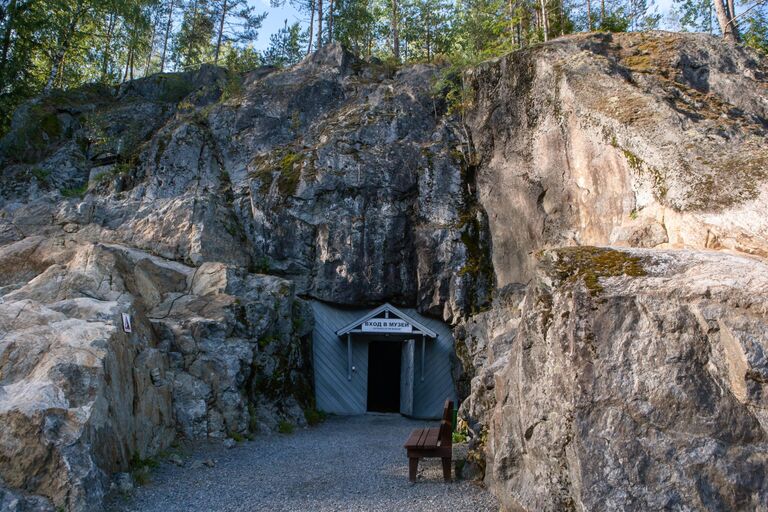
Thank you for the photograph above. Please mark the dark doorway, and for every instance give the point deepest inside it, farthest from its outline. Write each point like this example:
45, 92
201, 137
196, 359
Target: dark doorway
384, 376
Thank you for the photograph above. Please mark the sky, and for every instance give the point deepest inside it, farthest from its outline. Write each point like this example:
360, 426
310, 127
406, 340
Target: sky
276, 16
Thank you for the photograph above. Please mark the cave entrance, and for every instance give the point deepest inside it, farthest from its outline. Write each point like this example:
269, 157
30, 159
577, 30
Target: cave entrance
384, 358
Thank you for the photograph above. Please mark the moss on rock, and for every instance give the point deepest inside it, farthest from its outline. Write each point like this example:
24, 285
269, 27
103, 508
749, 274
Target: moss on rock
590, 264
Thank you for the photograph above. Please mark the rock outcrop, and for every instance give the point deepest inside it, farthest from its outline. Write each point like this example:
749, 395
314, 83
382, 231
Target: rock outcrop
213, 351
633, 381
643, 140
204, 204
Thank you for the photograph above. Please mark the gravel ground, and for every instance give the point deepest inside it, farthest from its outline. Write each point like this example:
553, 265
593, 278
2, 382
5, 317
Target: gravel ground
346, 463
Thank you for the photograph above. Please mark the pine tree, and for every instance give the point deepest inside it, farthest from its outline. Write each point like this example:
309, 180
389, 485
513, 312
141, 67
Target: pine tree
286, 47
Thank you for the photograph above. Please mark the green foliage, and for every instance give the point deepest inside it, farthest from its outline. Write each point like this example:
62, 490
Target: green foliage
260, 266
450, 86
283, 164
237, 436
140, 469
314, 416
74, 191
239, 60
459, 437
253, 418
286, 47
696, 15
285, 427
138, 462
119, 169
40, 174
192, 43
233, 89
50, 45
175, 87
756, 33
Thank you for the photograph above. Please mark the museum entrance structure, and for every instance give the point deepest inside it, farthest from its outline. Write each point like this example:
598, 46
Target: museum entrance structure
384, 359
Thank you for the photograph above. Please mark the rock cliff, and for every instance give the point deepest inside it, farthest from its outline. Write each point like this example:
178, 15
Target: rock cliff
207, 205
629, 381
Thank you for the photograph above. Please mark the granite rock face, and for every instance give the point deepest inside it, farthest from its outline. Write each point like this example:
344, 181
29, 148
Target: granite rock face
646, 394
212, 351
637, 139
346, 177
633, 381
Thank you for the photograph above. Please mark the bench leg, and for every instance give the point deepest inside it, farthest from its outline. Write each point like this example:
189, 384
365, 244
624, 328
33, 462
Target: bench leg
446, 468
413, 467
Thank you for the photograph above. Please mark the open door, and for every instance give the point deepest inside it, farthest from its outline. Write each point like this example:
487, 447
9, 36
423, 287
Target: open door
407, 365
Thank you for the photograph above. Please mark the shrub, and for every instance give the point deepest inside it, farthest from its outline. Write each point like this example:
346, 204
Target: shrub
314, 416
285, 427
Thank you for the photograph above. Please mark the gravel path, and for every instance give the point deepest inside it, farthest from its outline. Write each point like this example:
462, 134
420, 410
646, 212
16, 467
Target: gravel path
346, 463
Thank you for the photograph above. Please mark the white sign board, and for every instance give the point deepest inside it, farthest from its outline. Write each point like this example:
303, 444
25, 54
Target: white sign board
386, 325
127, 322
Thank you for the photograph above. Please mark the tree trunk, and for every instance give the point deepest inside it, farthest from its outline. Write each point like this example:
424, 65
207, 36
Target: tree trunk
429, 39
151, 45
544, 20
64, 41
319, 24
602, 13
168, 27
221, 32
589, 16
725, 19
60, 77
127, 65
11, 17
330, 20
107, 46
734, 27
311, 26
395, 32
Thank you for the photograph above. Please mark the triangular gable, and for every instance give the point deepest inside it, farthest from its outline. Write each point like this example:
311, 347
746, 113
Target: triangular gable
354, 326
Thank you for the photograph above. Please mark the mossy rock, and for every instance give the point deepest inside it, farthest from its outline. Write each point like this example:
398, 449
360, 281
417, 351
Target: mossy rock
590, 264
284, 165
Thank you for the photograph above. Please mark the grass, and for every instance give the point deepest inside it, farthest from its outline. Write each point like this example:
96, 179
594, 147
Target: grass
141, 468
253, 418
285, 427
75, 191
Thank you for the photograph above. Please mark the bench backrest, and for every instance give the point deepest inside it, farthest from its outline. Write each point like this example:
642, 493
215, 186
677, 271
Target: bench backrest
446, 426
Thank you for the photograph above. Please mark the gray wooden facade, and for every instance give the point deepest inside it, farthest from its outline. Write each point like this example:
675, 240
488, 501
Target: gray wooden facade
339, 390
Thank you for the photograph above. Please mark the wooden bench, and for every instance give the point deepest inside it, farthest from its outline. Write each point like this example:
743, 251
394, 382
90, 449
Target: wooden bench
431, 442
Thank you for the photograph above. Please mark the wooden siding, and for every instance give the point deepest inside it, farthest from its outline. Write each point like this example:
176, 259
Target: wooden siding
335, 394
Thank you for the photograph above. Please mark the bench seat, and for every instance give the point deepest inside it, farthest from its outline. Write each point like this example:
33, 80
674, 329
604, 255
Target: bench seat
431, 442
